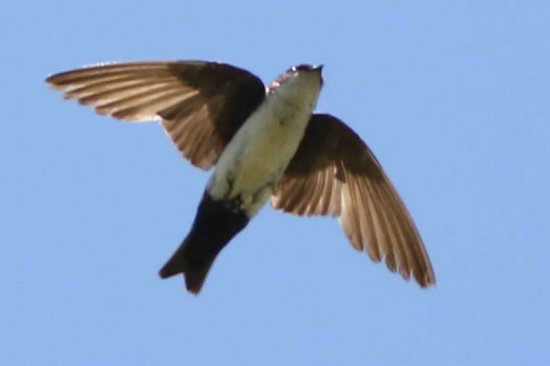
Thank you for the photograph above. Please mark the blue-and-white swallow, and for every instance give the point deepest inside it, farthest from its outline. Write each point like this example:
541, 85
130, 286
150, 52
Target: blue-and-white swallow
265, 144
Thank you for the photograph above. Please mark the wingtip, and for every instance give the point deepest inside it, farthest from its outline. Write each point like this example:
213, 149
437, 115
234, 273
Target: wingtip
50, 80
427, 282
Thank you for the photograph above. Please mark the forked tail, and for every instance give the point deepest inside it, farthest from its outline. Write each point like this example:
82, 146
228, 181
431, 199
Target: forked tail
216, 223
194, 268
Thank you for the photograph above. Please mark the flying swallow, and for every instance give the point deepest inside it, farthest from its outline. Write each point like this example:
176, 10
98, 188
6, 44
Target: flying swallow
265, 144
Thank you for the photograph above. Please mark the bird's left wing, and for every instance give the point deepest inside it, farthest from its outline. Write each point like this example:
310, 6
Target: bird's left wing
200, 104
334, 173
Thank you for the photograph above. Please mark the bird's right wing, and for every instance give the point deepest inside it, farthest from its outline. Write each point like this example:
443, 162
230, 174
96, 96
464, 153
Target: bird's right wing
335, 173
200, 104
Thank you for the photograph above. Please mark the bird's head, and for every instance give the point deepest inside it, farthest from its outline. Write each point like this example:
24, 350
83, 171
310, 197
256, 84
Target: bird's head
299, 82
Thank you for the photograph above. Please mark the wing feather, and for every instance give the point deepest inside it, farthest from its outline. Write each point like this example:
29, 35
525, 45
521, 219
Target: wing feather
200, 104
335, 173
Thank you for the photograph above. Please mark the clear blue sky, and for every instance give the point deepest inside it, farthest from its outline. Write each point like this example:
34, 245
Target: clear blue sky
452, 96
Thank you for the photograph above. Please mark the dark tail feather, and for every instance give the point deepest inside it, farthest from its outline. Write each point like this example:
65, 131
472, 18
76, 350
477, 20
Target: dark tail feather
194, 270
214, 226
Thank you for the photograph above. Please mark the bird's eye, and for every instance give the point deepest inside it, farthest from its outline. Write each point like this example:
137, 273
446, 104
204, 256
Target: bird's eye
293, 69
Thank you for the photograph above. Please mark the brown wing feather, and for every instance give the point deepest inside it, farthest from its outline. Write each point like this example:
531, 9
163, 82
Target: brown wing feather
200, 104
335, 173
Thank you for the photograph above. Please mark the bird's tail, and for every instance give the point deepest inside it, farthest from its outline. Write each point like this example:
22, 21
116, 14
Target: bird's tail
215, 224
194, 268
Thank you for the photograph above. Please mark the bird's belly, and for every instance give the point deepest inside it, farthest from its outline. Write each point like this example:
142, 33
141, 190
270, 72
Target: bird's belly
256, 157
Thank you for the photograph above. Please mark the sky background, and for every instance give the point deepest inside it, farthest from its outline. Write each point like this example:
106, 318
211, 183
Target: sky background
452, 96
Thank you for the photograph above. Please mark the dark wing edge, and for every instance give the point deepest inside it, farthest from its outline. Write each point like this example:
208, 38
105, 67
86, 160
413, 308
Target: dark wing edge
335, 173
200, 104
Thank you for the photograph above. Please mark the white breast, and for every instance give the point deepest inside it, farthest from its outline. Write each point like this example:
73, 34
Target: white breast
260, 151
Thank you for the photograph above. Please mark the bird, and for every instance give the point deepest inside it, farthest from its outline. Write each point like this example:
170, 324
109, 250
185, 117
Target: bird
265, 144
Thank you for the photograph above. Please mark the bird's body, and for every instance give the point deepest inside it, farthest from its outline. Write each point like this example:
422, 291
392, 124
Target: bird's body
263, 143
245, 174
256, 157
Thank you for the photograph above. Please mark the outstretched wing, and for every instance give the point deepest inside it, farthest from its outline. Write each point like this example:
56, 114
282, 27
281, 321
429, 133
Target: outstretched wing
335, 173
200, 104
